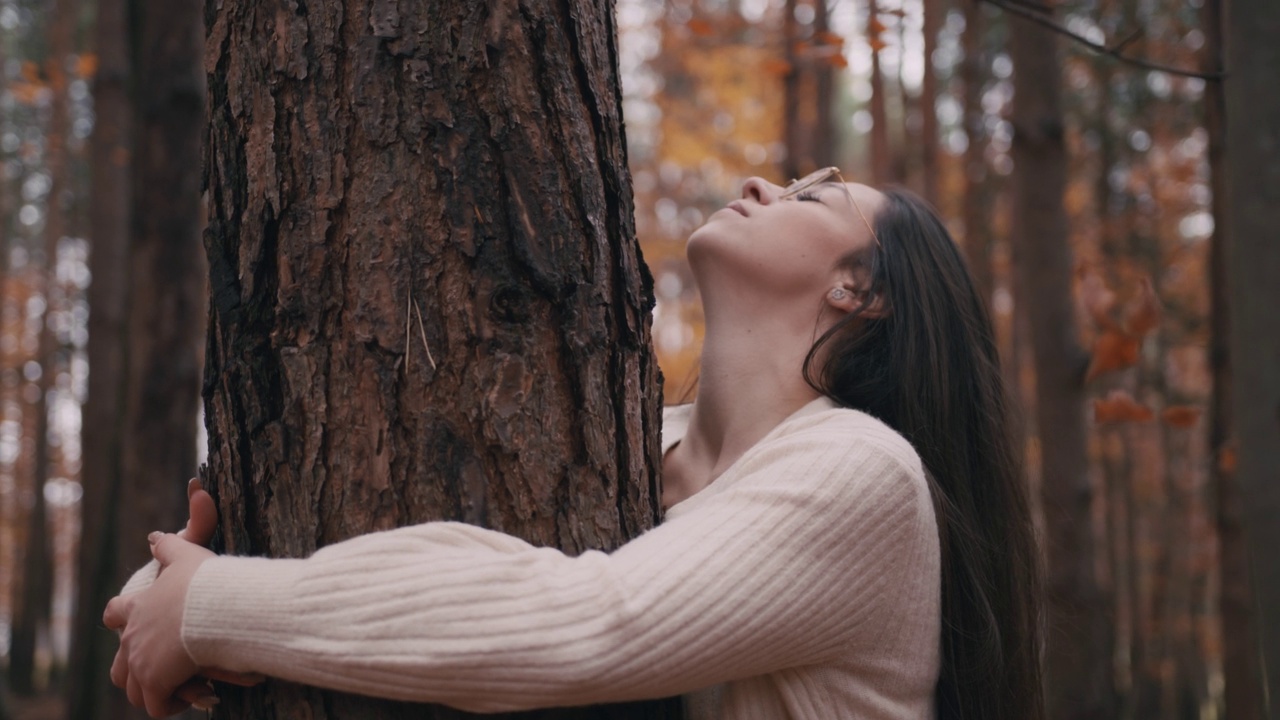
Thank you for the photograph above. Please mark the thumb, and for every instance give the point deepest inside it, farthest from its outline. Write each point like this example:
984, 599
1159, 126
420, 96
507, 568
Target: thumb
203, 516
166, 548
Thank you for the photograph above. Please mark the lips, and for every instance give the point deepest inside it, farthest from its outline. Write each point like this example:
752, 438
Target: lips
737, 206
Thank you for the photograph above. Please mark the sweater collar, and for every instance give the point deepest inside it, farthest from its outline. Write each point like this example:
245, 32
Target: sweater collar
675, 420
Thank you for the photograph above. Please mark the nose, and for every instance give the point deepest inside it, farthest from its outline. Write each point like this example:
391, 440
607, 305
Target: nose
760, 190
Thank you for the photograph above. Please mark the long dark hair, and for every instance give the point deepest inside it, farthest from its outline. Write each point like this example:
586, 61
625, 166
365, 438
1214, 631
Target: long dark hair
928, 366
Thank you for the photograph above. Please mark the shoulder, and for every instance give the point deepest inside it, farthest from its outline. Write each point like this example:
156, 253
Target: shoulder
846, 438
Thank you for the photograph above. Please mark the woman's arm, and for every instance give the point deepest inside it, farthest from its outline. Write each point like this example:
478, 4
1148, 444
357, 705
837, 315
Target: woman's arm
800, 559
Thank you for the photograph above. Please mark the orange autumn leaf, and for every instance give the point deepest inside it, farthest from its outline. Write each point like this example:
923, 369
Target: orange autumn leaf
700, 27
1180, 416
31, 72
775, 66
838, 60
87, 65
877, 44
1112, 351
827, 37
874, 28
1144, 313
1120, 407
1227, 460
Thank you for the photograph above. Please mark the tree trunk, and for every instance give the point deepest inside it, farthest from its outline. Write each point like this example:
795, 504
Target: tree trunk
881, 152
1242, 674
793, 130
934, 13
808, 89
976, 212
822, 143
1253, 213
1078, 662
427, 298
101, 571
31, 616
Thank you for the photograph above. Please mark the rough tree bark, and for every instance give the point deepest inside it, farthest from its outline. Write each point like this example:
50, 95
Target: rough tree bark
32, 610
1253, 213
427, 298
1078, 661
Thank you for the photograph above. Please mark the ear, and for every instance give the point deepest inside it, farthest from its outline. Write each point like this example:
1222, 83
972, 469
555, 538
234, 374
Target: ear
844, 297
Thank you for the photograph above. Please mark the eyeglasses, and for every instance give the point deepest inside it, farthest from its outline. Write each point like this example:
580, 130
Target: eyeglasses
818, 177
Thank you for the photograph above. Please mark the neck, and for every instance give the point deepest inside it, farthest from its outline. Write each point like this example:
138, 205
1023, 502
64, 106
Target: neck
751, 380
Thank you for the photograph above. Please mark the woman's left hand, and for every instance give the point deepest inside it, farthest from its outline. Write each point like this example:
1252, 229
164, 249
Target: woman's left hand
152, 661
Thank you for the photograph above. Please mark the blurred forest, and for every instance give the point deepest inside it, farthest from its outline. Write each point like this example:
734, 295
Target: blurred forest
1111, 312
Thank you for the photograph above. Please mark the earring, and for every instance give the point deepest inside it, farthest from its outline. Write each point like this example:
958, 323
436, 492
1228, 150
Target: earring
837, 294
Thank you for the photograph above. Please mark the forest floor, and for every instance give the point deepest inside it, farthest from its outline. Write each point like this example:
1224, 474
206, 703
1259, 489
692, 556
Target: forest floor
39, 707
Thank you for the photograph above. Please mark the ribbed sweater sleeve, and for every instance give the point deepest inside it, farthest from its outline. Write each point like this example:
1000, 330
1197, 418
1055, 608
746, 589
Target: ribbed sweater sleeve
802, 557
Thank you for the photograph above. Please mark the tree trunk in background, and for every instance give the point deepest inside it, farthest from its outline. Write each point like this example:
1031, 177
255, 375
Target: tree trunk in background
881, 152
427, 298
822, 147
165, 276
1253, 214
934, 13
6, 243
32, 609
100, 575
1078, 661
976, 211
808, 89
1242, 674
793, 130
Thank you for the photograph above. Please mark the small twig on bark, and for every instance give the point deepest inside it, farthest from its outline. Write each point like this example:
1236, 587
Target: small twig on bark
423, 330
1030, 11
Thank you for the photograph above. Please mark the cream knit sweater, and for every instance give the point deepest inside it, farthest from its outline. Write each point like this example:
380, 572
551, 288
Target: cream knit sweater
804, 582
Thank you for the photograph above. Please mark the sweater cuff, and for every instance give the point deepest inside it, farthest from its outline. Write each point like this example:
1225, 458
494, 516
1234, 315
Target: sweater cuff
235, 608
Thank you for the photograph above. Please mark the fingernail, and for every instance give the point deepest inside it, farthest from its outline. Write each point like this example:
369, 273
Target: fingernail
154, 537
205, 702
192, 486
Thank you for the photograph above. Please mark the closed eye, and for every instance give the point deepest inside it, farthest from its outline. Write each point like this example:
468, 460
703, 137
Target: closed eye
808, 195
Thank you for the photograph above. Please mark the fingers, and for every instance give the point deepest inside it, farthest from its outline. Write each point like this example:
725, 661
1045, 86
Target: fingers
203, 515
233, 678
197, 693
120, 670
133, 689
163, 548
117, 613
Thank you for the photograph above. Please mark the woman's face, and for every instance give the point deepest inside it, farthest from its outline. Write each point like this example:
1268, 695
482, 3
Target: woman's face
772, 246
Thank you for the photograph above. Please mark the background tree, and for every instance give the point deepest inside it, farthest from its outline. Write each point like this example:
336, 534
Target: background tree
146, 337
33, 607
1078, 651
427, 300
1253, 213
1242, 674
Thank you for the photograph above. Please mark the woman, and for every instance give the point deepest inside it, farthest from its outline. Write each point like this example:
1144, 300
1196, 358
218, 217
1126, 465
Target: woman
847, 532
